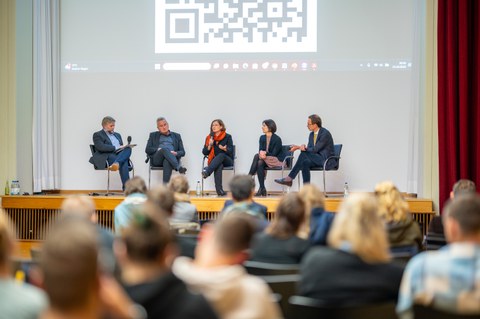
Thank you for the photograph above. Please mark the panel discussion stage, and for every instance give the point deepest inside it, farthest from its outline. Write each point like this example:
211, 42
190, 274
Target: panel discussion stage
34, 216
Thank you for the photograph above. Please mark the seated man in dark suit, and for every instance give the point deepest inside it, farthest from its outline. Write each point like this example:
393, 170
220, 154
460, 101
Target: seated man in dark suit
243, 188
109, 147
319, 148
165, 148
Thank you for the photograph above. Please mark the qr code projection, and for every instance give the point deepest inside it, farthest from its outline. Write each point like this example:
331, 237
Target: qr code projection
200, 26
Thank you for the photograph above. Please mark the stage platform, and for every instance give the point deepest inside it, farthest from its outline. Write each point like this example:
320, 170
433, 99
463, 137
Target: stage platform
33, 216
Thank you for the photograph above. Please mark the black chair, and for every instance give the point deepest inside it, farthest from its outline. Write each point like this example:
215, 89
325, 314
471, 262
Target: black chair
258, 268
225, 168
300, 307
337, 152
434, 241
107, 168
402, 254
287, 163
427, 312
283, 287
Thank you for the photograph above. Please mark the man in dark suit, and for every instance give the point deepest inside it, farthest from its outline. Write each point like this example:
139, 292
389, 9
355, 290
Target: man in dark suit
165, 148
109, 147
319, 148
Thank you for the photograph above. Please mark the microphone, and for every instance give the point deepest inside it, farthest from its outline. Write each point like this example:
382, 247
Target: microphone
212, 134
129, 139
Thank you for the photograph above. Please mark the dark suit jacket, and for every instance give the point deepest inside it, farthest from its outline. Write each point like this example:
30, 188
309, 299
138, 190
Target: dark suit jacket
258, 207
103, 148
274, 148
154, 139
323, 146
227, 140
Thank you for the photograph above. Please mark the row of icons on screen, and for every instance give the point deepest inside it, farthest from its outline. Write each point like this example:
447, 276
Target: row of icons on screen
245, 66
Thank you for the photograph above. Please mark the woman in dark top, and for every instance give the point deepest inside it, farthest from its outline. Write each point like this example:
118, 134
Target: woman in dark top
269, 154
279, 243
219, 149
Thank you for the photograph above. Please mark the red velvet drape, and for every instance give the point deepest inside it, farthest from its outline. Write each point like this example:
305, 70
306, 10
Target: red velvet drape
458, 93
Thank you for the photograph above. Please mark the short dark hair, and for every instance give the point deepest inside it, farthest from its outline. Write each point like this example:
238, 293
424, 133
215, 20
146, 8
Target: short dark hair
464, 186
163, 198
234, 232
465, 209
107, 120
135, 184
316, 119
219, 122
289, 216
272, 127
241, 187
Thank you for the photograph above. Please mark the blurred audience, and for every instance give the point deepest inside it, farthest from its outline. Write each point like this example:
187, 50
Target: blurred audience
135, 192
355, 269
448, 278
17, 300
183, 210
279, 243
403, 232
217, 271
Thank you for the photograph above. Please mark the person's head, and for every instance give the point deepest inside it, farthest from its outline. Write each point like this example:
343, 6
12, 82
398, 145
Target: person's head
162, 125
217, 126
179, 184
163, 198
135, 184
108, 124
358, 228
242, 188
312, 198
6, 239
79, 206
392, 207
269, 126
461, 218
69, 265
226, 242
147, 240
463, 186
289, 216
314, 122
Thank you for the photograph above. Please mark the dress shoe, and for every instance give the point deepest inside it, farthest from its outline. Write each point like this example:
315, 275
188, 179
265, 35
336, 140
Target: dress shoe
284, 181
261, 192
114, 167
182, 170
221, 192
204, 173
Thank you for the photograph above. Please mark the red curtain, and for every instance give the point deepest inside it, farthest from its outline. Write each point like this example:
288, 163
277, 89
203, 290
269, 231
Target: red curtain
458, 93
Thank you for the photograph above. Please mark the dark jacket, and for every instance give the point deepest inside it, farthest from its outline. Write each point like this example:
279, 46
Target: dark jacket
103, 148
404, 233
154, 140
167, 297
323, 146
227, 140
274, 148
320, 223
269, 249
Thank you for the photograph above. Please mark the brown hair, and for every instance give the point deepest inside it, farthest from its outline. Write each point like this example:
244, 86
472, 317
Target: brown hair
234, 232
316, 120
289, 216
465, 209
178, 184
222, 125
163, 198
464, 186
135, 184
312, 197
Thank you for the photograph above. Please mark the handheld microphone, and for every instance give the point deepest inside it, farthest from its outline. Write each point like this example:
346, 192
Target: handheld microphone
212, 134
129, 139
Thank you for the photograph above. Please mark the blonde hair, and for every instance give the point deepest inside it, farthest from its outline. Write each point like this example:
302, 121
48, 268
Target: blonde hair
359, 225
78, 205
312, 198
392, 207
6, 237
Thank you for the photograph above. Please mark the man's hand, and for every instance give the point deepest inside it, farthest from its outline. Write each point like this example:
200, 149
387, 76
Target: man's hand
174, 153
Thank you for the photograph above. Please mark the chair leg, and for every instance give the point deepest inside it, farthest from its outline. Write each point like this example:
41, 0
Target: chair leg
201, 193
108, 182
149, 176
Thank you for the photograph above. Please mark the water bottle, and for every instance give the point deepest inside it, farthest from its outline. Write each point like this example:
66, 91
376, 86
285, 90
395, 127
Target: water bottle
198, 189
345, 190
7, 188
15, 188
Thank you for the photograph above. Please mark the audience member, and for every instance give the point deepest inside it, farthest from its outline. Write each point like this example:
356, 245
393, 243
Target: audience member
135, 192
317, 221
75, 285
356, 268
146, 252
314, 154
217, 272
219, 149
17, 300
243, 187
165, 148
270, 154
279, 243
403, 232
449, 278
183, 210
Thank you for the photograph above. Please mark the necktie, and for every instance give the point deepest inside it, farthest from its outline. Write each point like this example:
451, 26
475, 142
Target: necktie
314, 138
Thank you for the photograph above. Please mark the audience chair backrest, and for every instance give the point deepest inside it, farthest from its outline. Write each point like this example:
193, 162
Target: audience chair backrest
270, 269
283, 286
426, 312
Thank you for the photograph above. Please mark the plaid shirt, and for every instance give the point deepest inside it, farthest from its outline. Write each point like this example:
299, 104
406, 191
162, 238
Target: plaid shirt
447, 279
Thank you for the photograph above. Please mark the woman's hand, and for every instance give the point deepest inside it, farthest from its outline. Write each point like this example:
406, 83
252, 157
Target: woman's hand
262, 154
222, 147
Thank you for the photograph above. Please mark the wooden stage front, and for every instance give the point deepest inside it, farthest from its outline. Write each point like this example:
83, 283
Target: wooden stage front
33, 216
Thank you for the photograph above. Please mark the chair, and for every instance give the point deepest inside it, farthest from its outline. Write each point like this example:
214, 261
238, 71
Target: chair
401, 255
151, 168
283, 287
300, 307
106, 167
258, 268
337, 151
434, 241
225, 168
427, 312
287, 163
